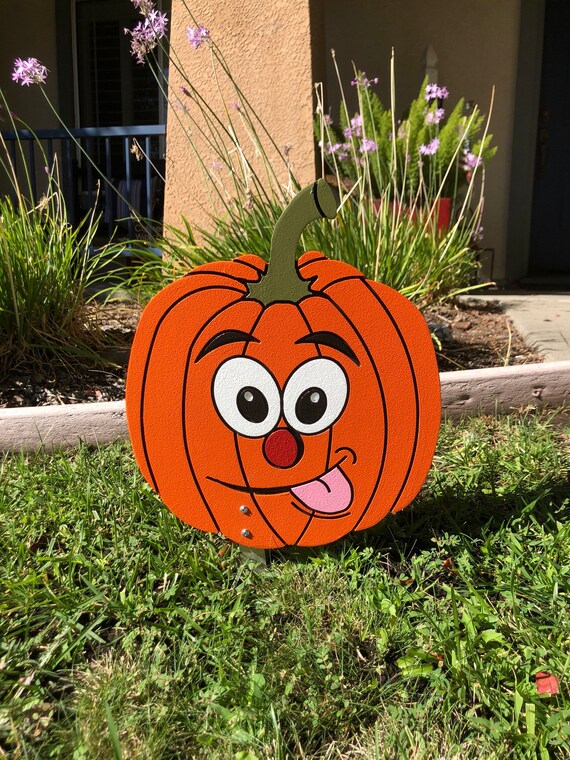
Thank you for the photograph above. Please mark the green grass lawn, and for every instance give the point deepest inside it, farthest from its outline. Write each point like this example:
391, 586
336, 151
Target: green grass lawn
124, 633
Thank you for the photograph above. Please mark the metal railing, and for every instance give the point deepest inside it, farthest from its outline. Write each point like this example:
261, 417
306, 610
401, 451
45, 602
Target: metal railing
120, 168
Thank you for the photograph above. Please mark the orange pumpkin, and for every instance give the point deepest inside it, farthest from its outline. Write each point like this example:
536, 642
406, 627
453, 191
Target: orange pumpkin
283, 404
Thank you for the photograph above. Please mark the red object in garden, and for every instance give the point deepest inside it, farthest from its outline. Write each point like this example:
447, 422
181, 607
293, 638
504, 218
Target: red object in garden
546, 683
442, 212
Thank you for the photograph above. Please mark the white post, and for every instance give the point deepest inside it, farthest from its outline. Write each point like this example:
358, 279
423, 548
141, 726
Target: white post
430, 64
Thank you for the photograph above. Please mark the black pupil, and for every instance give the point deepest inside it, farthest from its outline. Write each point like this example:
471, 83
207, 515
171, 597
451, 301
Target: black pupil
311, 405
252, 404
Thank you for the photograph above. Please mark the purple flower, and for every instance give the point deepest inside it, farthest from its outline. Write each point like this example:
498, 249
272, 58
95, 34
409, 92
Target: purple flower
431, 92
434, 92
434, 117
430, 148
29, 71
196, 35
471, 161
363, 81
327, 120
477, 234
158, 22
147, 33
368, 146
355, 129
333, 148
144, 6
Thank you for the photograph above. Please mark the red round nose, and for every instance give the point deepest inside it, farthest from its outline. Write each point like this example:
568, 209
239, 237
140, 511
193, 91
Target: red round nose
282, 448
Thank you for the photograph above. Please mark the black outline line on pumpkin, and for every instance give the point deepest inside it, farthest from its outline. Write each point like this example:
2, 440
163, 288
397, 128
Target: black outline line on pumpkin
324, 294
416, 393
272, 490
144, 382
238, 453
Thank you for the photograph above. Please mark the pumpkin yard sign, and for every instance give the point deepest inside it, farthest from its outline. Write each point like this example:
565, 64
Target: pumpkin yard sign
283, 404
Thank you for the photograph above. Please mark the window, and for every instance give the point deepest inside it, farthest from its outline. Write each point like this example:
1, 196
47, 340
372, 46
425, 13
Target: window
112, 89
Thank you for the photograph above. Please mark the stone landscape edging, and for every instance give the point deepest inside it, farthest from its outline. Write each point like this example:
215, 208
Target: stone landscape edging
465, 392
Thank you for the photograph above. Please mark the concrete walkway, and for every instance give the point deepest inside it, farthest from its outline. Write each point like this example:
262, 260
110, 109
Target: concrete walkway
543, 319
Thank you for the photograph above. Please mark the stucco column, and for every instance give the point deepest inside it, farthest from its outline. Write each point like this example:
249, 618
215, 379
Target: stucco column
267, 46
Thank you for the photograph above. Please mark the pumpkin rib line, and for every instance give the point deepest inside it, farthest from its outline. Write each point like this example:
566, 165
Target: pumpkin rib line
309, 521
240, 462
213, 273
184, 387
312, 261
248, 264
416, 395
341, 279
185, 439
252, 494
147, 364
329, 444
382, 396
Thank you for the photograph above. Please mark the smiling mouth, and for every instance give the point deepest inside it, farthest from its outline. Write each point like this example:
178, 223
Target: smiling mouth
328, 494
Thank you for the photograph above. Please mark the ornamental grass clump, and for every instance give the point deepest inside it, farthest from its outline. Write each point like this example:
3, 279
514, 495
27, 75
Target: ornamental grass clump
46, 265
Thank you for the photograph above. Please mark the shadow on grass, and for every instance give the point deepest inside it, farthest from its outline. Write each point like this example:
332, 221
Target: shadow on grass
471, 514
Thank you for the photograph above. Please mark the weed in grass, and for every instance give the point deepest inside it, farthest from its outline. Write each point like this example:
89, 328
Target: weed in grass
124, 633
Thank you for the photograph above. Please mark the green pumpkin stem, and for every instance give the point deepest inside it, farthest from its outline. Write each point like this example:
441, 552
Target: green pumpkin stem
281, 281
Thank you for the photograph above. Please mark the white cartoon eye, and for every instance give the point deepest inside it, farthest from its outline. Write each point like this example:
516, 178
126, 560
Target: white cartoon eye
246, 396
315, 395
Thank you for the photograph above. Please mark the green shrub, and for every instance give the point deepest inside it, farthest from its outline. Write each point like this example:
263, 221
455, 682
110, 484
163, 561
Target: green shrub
45, 267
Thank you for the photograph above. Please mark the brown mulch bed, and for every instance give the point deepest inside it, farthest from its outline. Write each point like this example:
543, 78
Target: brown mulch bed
466, 337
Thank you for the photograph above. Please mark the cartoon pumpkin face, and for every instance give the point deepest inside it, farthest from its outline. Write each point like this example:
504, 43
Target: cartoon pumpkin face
287, 404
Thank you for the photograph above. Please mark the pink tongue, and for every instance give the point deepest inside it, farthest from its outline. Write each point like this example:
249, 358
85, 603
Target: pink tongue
330, 493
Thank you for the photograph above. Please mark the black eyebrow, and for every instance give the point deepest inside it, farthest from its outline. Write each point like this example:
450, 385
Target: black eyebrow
333, 340
223, 338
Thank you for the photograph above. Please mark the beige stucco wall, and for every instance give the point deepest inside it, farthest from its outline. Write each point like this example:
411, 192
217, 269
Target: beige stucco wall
268, 49
477, 47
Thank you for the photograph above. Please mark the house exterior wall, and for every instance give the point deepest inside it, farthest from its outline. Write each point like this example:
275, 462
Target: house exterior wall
477, 44
268, 49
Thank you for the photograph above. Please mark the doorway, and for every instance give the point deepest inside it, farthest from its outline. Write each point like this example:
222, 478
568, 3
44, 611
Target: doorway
550, 221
